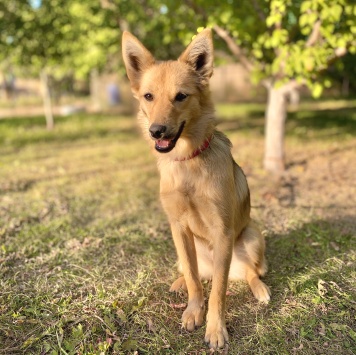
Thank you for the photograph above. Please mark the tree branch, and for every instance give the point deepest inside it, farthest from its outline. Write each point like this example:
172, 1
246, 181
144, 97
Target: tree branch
107, 4
259, 11
315, 34
197, 9
233, 46
291, 85
338, 53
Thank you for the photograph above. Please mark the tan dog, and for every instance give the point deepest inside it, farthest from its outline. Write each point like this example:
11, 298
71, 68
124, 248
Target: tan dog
203, 191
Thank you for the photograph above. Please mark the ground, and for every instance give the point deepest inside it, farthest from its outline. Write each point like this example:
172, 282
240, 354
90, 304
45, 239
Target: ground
86, 256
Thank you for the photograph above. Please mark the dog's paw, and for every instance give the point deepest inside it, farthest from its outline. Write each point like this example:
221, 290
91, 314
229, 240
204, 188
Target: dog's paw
261, 291
216, 335
193, 316
178, 284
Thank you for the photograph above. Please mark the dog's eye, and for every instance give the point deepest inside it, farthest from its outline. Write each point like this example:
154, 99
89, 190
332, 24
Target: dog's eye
180, 97
148, 96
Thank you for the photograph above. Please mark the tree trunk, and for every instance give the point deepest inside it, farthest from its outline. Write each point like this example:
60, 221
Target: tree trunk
95, 90
294, 97
8, 83
345, 86
274, 135
47, 104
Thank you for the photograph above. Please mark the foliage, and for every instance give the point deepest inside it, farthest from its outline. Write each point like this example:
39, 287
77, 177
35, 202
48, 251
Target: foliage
65, 36
76, 36
282, 39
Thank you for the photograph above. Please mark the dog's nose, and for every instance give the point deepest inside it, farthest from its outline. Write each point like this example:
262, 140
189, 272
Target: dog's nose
157, 131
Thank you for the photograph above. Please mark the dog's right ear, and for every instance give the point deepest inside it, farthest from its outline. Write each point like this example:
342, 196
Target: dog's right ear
136, 57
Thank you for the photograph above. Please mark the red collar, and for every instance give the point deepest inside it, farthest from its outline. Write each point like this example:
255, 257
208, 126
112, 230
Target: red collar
201, 149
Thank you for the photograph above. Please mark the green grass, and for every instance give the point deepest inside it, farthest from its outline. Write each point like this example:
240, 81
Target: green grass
86, 256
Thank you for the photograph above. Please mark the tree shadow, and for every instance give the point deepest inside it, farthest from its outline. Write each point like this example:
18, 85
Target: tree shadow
333, 122
310, 272
326, 122
20, 132
309, 245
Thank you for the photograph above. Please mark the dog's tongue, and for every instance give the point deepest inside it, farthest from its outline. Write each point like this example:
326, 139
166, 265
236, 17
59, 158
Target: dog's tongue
162, 143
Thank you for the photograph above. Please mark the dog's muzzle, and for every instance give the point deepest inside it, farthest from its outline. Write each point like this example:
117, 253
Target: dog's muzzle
164, 143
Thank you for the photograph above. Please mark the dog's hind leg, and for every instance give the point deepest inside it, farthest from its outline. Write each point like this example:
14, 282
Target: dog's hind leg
205, 265
254, 244
179, 284
248, 261
259, 289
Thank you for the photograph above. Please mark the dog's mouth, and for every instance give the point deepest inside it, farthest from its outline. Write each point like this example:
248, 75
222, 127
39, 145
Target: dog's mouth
167, 144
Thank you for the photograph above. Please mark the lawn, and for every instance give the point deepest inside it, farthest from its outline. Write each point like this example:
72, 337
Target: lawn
86, 256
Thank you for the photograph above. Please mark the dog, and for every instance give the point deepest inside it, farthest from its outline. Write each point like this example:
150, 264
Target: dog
203, 191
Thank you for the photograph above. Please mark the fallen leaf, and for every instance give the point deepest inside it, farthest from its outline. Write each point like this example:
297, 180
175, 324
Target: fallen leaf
178, 305
300, 347
322, 290
151, 327
322, 329
334, 246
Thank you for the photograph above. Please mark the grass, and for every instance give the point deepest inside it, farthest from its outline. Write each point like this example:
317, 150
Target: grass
86, 256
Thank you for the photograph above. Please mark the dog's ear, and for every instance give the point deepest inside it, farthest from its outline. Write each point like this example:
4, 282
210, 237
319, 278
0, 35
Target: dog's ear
136, 57
200, 55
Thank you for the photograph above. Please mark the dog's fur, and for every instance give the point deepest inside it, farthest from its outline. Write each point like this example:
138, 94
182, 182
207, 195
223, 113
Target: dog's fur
205, 194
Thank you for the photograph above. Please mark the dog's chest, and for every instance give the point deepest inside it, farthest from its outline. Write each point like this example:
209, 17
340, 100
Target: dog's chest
188, 200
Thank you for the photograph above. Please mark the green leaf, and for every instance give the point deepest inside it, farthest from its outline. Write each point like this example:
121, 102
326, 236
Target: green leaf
309, 63
305, 6
258, 53
327, 83
109, 322
303, 20
129, 345
317, 90
270, 21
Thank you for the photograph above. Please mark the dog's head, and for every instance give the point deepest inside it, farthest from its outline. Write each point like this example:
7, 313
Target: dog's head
171, 94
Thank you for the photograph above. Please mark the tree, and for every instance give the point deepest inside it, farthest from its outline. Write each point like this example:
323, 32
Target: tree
54, 37
25, 33
284, 44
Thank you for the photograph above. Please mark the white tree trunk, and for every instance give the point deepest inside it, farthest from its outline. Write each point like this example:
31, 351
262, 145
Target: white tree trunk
47, 103
275, 126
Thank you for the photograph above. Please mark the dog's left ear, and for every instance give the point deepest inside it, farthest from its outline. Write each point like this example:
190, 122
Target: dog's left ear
200, 55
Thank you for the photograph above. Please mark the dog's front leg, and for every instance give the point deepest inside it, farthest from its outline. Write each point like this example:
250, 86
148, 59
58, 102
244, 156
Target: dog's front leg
193, 316
216, 334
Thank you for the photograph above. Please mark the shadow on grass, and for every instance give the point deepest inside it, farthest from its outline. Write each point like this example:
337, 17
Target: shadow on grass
309, 246
328, 123
120, 274
20, 132
312, 307
333, 122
